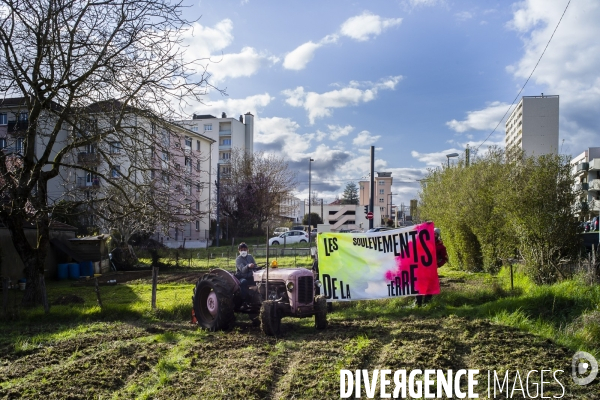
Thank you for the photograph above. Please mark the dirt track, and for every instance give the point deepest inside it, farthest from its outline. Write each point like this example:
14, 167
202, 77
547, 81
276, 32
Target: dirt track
172, 361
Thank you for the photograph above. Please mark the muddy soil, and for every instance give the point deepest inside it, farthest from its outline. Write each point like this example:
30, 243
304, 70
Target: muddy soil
121, 360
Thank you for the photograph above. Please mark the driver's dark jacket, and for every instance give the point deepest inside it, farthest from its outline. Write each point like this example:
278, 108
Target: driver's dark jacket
241, 264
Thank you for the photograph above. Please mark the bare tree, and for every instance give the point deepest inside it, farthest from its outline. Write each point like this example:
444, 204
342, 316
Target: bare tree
254, 190
62, 63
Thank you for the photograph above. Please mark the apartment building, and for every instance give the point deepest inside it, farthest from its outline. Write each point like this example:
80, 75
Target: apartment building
533, 126
14, 121
229, 133
382, 201
586, 170
150, 156
292, 209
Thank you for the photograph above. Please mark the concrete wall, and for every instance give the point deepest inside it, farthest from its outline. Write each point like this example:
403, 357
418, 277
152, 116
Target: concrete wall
12, 266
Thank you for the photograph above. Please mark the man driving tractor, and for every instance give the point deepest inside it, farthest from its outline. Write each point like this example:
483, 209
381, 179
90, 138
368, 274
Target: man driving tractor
245, 265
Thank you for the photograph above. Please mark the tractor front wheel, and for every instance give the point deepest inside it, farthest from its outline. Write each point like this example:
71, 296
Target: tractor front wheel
270, 320
320, 312
213, 303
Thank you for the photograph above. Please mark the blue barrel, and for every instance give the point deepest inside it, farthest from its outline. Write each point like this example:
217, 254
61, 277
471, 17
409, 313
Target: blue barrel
73, 271
86, 268
63, 271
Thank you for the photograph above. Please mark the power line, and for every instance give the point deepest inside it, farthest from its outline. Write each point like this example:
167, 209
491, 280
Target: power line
530, 75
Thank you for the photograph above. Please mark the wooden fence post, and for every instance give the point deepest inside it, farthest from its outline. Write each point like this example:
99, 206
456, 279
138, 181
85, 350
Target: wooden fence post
5, 296
154, 282
44, 294
98, 293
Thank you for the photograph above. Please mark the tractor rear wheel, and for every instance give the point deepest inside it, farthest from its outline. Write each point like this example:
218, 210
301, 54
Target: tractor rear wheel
213, 303
270, 320
320, 312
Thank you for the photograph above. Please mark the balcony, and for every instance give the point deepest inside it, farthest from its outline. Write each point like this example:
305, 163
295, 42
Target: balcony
84, 182
581, 186
225, 133
85, 158
594, 164
594, 185
582, 167
224, 160
225, 147
581, 206
17, 126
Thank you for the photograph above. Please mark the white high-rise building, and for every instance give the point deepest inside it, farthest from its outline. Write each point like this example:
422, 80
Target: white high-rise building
229, 133
533, 126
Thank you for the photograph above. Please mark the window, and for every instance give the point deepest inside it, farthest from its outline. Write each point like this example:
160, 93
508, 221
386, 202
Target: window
194, 129
198, 165
177, 167
188, 165
382, 209
225, 156
115, 148
197, 145
381, 183
2, 143
197, 205
3, 119
23, 116
208, 127
115, 171
198, 186
165, 156
19, 145
188, 188
381, 200
381, 191
226, 142
197, 225
152, 174
188, 143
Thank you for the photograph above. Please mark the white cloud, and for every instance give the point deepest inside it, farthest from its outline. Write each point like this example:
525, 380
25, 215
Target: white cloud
280, 136
245, 63
365, 138
363, 27
463, 15
481, 120
435, 159
202, 42
336, 131
569, 67
234, 107
207, 44
321, 105
425, 3
298, 58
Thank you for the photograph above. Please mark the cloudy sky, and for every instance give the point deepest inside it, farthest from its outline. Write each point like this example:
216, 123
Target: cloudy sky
417, 79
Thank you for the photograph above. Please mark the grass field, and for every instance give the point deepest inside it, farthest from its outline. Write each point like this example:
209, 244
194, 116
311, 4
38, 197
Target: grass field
127, 350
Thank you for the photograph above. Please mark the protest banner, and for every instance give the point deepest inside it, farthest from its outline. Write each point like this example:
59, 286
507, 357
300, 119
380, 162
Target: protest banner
378, 265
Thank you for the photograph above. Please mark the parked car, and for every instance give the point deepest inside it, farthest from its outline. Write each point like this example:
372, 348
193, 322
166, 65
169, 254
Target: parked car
280, 230
379, 229
345, 230
300, 228
289, 237
356, 231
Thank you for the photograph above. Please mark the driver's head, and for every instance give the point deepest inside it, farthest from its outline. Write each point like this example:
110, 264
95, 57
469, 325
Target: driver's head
243, 249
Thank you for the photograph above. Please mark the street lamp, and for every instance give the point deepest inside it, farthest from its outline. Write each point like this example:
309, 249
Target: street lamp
450, 156
390, 204
309, 176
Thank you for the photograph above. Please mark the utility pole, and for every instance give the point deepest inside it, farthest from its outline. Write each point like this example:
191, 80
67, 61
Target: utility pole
467, 155
372, 194
218, 184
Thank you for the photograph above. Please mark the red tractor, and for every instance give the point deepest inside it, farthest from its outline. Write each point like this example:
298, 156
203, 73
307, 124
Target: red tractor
276, 293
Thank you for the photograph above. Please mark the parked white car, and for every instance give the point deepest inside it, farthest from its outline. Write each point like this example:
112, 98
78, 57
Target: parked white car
289, 237
280, 230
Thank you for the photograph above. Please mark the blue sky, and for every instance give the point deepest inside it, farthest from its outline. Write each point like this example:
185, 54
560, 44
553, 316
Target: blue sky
418, 79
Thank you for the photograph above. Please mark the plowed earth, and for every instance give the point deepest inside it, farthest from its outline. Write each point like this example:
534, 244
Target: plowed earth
139, 359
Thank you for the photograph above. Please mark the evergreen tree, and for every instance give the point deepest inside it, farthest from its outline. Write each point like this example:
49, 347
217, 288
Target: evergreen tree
350, 195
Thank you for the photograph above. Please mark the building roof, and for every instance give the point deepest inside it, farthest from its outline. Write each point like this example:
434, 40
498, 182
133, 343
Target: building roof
203, 116
54, 225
